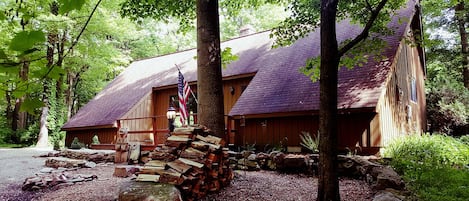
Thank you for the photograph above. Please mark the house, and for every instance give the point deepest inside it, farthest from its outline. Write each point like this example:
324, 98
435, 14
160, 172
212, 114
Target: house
267, 100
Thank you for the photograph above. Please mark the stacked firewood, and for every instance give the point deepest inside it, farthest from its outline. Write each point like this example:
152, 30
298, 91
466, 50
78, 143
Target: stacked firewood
193, 160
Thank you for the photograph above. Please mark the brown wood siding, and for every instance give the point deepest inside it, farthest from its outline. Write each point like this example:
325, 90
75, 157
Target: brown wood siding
273, 131
105, 136
144, 108
398, 114
161, 101
160, 106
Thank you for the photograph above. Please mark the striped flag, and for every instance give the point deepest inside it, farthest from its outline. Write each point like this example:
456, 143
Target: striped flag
184, 90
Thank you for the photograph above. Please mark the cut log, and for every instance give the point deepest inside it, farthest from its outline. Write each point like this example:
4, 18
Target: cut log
134, 149
203, 146
151, 170
148, 177
156, 163
171, 177
211, 139
191, 163
179, 166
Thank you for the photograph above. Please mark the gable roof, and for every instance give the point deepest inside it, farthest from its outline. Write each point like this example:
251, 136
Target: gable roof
137, 80
280, 87
277, 87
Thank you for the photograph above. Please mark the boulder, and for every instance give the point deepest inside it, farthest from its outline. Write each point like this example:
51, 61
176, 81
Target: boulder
135, 191
386, 177
386, 196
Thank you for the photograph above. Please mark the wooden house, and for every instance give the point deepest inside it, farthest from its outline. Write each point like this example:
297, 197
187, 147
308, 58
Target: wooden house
267, 100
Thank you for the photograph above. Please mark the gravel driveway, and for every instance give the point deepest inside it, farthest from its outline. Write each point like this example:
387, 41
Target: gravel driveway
16, 165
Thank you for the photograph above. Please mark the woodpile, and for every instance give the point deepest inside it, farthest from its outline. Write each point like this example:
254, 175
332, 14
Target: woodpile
192, 160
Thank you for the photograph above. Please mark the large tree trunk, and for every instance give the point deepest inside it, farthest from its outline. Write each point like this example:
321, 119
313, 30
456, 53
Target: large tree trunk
328, 187
43, 137
209, 78
460, 17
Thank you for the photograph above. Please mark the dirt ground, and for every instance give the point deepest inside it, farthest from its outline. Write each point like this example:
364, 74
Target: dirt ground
259, 185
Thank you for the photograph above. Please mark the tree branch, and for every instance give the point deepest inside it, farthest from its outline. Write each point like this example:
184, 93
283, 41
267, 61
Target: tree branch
364, 34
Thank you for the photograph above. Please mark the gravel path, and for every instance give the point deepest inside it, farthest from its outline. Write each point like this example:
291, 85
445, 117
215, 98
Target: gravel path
270, 186
19, 164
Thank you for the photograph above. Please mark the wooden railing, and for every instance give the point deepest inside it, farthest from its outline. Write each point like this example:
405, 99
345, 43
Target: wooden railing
156, 120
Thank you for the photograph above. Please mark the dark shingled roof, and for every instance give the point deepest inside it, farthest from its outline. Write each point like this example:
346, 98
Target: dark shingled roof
137, 80
277, 86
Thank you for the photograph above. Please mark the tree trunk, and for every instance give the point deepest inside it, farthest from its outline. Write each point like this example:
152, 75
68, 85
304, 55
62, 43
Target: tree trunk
19, 118
460, 18
328, 187
209, 78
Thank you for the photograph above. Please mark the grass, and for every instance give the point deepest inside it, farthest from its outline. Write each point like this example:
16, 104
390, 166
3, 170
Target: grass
6, 145
433, 166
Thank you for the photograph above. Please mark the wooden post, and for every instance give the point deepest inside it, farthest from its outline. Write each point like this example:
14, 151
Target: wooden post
155, 134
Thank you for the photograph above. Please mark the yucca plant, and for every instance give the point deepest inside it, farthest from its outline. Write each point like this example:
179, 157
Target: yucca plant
310, 142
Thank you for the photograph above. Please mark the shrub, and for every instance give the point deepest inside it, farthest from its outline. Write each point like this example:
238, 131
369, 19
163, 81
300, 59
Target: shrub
433, 166
309, 142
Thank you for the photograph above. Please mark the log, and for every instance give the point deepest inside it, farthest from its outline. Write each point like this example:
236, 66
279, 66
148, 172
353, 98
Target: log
148, 177
211, 139
151, 170
171, 177
191, 163
156, 163
179, 166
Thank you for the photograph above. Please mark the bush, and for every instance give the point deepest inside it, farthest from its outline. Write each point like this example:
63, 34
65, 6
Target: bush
427, 152
435, 167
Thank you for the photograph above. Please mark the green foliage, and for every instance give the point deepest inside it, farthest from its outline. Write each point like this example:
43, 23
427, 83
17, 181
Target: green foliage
69, 5
227, 57
447, 98
25, 40
415, 154
464, 139
442, 184
434, 166
309, 142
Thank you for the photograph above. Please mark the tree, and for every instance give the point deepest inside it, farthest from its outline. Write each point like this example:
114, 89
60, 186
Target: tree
209, 79
450, 17
373, 16
447, 95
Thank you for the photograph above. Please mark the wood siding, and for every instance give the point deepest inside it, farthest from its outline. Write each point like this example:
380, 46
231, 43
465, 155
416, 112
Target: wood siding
105, 136
274, 131
133, 121
399, 115
232, 90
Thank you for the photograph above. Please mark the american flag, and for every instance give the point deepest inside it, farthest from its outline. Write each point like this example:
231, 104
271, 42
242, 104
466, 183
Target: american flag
184, 91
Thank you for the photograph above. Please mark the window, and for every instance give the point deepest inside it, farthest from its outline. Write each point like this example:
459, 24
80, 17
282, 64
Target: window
413, 90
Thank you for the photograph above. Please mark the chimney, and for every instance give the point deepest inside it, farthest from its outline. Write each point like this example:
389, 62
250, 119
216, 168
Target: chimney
246, 30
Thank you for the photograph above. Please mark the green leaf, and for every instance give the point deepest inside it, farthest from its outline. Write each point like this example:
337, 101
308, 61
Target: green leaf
69, 5
29, 105
2, 15
56, 72
25, 40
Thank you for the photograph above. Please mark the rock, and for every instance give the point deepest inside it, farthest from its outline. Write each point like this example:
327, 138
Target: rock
46, 170
134, 191
246, 154
56, 162
386, 196
252, 157
386, 178
90, 164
